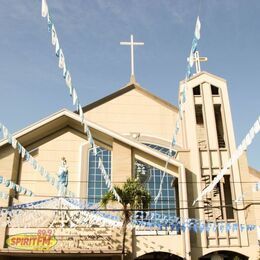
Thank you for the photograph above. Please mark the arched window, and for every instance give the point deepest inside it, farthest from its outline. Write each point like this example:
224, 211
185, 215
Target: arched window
151, 179
96, 182
160, 149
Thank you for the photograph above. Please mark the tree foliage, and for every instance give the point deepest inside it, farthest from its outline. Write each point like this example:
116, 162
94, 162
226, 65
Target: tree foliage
133, 196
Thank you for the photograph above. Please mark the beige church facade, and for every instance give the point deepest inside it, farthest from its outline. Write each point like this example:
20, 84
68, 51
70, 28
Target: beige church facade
132, 127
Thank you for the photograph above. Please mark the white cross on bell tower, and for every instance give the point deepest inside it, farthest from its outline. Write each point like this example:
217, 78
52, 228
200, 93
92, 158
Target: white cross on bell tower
197, 59
132, 44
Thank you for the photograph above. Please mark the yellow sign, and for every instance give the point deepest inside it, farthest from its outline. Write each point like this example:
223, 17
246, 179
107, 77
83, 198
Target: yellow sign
32, 241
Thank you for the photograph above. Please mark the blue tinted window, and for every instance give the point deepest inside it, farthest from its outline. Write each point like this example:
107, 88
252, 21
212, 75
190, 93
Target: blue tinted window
151, 178
96, 182
160, 149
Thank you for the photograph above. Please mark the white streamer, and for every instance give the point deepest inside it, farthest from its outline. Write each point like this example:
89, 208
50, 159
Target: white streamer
68, 80
245, 143
182, 101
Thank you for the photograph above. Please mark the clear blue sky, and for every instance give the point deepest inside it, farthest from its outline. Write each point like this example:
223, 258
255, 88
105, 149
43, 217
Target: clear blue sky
89, 32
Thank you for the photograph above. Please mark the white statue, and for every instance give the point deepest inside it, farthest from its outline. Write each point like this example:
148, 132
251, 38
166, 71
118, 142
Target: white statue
63, 173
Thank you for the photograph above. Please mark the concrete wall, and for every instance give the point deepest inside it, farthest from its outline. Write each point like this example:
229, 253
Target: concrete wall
48, 152
136, 112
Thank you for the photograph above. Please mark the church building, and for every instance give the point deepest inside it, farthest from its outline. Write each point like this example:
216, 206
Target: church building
133, 130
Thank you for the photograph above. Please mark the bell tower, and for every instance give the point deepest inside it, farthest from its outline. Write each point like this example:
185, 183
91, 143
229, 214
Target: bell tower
208, 135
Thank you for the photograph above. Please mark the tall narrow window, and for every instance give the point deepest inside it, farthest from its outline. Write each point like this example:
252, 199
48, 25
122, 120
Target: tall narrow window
200, 128
151, 178
228, 198
96, 182
196, 91
219, 125
214, 90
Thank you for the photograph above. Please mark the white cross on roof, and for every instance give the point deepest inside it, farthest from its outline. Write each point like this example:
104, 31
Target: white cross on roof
132, 44
197, 59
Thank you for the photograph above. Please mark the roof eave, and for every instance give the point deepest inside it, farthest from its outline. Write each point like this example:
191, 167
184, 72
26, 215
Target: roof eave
65, 112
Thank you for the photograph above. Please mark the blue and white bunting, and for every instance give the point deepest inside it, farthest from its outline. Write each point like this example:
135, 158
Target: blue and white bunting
68, 80
241, 148
13, 186
182, 100
36, 166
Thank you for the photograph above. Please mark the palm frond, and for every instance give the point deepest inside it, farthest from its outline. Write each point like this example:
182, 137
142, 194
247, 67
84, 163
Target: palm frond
106, 198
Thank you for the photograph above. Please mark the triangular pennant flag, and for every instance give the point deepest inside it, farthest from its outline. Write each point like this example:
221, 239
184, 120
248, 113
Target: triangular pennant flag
57, 48
174, 141
12, 185
202, 226
188, 74
74, 96
242, 227
27, 156
53, 35
61, 59
10, 137
184, 95
14, 143
7, 183
16, 188
228, 227
68, 80
191, 60
64, 69
49, 22
5, 131
197, 29
235, 227
221, 228
19, 147
44, 8
194, 45
81, 114
23, 152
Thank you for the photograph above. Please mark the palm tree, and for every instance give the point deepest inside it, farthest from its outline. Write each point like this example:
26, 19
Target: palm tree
133, 196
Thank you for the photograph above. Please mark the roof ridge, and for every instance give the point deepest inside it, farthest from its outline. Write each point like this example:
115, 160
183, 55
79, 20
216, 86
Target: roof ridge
126, 88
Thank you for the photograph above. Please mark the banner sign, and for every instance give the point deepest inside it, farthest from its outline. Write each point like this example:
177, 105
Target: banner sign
42, 240
71, 239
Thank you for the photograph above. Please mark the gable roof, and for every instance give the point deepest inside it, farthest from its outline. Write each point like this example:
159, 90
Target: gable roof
130, 86
197, 75
64, 118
